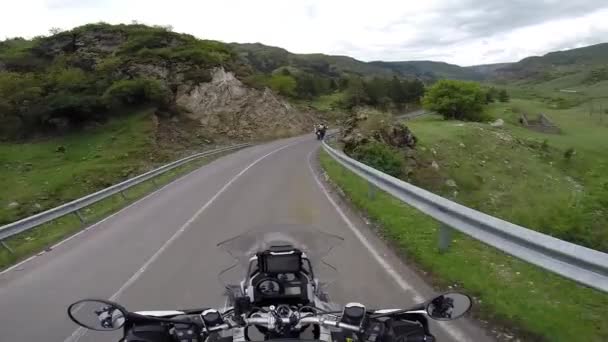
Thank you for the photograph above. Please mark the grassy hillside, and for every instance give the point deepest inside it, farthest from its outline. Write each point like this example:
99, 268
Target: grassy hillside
39, 175
431, 70
532, 304
587, 62
521, 175
57, 83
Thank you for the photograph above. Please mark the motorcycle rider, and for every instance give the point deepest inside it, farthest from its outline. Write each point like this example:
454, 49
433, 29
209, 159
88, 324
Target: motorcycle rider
320, 131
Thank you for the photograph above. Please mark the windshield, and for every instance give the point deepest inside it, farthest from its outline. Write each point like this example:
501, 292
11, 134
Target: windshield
309, 239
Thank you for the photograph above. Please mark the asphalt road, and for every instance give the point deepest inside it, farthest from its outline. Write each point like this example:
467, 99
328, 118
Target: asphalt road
412, 115
160, 253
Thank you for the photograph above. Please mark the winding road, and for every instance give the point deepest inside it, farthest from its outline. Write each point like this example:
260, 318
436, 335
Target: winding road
160, 252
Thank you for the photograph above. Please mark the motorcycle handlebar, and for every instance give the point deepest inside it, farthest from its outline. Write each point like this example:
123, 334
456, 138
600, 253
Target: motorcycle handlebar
270, 322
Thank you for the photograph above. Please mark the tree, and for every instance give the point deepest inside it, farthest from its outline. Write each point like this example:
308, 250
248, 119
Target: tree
414, 90
55, 30
355, 93
503, 96
376, 90
456, 100
491, 94
283, 84
137, 91
396, 91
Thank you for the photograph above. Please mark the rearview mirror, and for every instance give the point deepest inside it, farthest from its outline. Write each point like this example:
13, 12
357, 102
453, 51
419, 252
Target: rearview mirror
98, 314
449, 306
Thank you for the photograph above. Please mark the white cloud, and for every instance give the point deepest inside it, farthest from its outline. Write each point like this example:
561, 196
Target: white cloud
463, 32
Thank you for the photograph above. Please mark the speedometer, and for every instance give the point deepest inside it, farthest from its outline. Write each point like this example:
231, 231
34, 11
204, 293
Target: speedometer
269, 287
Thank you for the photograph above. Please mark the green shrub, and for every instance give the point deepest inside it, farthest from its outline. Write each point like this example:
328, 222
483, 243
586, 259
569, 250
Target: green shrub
198, 75
456, 100
380, 157
283, 84
137, 91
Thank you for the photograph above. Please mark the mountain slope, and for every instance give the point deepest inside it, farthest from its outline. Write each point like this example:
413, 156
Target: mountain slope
268, 59
554, 64
431, 70
74, 78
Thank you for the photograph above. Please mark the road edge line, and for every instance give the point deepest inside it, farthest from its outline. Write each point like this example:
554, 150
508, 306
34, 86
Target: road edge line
450, 330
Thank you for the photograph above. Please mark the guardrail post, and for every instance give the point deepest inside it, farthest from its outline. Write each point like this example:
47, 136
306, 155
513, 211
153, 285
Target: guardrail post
445, 236
371, 191
10, 250
80, 217
122, 194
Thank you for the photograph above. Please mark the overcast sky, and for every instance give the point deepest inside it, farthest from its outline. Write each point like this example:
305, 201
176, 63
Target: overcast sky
464, 32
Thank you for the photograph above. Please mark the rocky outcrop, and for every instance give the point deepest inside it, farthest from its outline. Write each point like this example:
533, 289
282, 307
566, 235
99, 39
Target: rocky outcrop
226, 106
395, 134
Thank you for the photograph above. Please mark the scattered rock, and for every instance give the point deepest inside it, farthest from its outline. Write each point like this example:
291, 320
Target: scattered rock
435, 166
497, 123
451, 183
12, 205
462, 145
37, 206
433, 151
482, 163
455, 193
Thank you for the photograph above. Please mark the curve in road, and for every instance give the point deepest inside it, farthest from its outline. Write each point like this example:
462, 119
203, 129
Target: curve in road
160, 253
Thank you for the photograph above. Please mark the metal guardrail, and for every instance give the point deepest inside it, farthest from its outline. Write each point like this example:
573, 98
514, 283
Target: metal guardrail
73, 206
581, 264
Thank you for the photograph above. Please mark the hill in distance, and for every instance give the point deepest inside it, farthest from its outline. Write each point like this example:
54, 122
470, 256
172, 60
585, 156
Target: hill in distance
535, 68
268, 59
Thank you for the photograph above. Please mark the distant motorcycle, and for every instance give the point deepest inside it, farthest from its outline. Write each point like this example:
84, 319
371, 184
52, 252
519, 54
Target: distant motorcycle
278, 298
320, 133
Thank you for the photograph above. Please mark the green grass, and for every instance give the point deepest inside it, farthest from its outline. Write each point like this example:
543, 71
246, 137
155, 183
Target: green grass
538, 304
520, 175
38, 177
327, 103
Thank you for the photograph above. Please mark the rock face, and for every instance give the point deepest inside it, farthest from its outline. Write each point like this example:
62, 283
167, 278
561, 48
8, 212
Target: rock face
226, 106
394, 134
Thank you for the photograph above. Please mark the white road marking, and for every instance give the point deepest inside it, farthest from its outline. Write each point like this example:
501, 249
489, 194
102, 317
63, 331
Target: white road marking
455, 333
78, 333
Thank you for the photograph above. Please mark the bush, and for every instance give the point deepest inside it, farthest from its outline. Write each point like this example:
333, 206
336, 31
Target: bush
380, 157
503, 96
456, 100
137, 91
198, 75
283, 84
